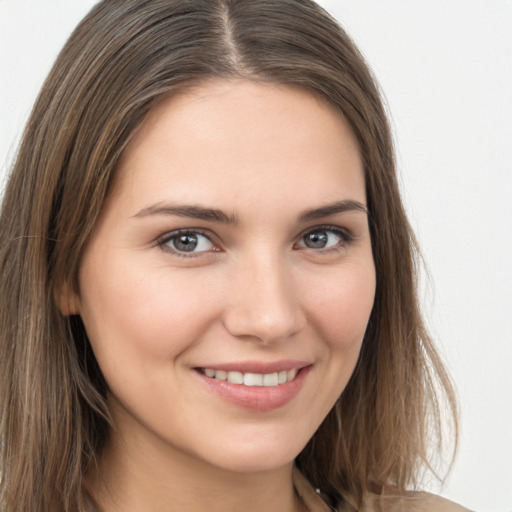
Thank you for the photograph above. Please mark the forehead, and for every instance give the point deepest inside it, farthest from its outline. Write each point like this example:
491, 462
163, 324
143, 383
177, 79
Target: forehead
235, 137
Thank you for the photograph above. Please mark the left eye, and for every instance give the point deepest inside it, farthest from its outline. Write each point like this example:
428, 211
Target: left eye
323, 238
188, 242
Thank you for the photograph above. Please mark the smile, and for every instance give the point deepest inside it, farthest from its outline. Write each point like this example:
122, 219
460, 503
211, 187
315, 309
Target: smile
256, 386
251, 379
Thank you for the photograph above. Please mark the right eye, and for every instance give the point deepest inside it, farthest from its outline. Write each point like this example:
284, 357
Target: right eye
186, 242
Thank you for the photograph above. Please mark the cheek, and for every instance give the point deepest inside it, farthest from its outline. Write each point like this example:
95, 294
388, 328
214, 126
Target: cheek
136, 317
339, 308
343, 305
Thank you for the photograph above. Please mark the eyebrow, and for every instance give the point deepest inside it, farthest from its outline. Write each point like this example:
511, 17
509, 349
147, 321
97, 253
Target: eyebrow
347, 205
216, 215
190, 211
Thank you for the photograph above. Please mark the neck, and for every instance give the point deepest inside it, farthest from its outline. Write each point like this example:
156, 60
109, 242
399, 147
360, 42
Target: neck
146, 477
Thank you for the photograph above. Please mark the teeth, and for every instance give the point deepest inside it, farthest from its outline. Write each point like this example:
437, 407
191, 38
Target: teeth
221, 375
270, 379
291, 375
251, 379
236, 377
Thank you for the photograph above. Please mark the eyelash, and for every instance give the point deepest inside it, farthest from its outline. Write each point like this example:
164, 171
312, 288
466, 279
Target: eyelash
163, 242
345, 239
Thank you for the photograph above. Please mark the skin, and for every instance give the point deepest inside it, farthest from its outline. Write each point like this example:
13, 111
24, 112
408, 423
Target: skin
252, 291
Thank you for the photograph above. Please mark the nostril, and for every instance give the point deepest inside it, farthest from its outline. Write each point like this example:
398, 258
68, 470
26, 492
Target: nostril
264, 329
264, 306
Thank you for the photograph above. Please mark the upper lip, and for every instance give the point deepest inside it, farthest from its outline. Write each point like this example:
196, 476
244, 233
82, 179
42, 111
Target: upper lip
258, 366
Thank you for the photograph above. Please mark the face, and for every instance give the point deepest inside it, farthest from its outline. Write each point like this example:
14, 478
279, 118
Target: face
228, 283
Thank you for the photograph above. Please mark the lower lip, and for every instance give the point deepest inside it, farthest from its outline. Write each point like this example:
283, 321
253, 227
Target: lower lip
258, 398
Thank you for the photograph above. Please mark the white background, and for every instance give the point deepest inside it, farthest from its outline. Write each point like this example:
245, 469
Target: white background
446, 69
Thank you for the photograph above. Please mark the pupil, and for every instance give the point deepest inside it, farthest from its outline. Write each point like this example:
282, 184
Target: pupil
186, 243
316, 240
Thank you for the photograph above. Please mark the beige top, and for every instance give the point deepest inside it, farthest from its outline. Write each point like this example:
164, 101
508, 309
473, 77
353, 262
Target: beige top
411, 502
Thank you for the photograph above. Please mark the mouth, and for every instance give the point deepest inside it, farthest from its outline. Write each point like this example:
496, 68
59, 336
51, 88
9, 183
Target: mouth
251, 379
260, 387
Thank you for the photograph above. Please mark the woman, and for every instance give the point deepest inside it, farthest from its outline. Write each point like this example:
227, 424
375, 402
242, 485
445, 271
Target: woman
208, 287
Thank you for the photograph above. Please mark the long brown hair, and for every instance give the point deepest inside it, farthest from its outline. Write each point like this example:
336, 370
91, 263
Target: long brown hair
123, 58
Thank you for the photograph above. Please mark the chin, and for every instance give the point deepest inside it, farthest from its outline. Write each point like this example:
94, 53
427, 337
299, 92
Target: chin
260, 453
245, 464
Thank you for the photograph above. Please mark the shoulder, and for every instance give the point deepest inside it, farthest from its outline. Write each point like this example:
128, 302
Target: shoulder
392, 502
410, 502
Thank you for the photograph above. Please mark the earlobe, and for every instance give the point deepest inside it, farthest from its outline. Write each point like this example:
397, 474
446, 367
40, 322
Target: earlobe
68, 301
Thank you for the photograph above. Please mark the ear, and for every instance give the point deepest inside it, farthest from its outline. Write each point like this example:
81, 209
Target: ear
68, 300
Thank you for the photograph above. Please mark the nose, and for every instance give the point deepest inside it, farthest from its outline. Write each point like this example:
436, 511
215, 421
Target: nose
264, 305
